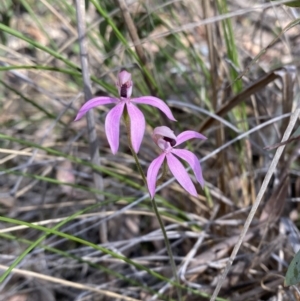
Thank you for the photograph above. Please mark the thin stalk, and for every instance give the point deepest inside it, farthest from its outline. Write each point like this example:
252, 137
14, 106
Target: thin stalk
168, 246
93, 141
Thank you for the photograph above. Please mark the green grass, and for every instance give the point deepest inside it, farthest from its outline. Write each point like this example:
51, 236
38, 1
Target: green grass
41, 75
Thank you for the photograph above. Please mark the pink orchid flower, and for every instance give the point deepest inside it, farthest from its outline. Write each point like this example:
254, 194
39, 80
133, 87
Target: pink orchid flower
166, 141
113, 118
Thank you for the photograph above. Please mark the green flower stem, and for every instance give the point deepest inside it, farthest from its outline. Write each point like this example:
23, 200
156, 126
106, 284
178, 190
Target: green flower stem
168, 246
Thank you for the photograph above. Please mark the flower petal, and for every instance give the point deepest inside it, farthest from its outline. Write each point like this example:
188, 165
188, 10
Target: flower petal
193, 161
187, 135
180, 174
164, 137
137, 126
124, 77
94, 102
152, 173
112, 126
155, 102
163, 131
124, 84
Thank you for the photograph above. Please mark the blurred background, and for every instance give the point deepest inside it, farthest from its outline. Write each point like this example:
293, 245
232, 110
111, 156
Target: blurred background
226, 68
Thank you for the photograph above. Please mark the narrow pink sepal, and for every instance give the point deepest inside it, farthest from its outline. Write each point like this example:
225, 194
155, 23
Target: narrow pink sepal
155, 102
153, 172
180, 174
94, 102
193, 161
187, 135
112, 126
137, 126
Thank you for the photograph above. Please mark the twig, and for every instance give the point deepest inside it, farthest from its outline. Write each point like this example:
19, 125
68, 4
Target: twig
66, 283
94, 144
293, 120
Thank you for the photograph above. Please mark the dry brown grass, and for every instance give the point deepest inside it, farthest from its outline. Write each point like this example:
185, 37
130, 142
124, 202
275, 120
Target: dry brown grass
182, 44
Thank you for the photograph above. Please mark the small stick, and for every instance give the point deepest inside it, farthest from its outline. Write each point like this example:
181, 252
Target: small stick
270, 147
94, 143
